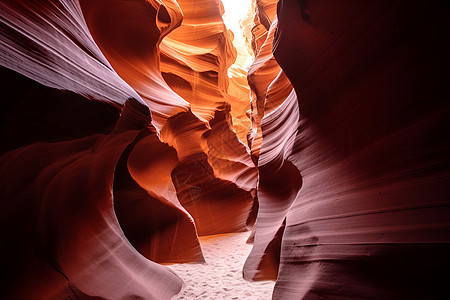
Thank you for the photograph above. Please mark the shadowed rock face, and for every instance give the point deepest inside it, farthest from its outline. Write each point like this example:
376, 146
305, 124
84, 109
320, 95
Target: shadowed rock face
371, 219
275, 111
61, 180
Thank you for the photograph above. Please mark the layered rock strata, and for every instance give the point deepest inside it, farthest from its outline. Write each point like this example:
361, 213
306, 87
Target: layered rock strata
86, 179
366, 209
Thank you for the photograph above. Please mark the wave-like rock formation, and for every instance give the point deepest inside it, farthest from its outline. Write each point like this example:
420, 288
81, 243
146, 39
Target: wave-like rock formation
123, 125
360, 208
275, 111
64, 206
195, 58
64, 240
91, 197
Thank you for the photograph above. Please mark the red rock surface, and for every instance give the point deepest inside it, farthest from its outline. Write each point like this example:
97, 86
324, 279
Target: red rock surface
123, 124
364, 173
87, 183
275, 109
195, 58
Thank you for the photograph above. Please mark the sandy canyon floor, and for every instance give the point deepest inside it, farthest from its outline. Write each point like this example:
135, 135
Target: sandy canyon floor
221, 276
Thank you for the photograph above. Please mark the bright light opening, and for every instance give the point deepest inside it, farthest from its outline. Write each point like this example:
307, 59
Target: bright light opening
235, 12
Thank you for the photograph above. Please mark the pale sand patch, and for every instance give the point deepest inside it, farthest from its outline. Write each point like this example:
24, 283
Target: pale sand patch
221, 276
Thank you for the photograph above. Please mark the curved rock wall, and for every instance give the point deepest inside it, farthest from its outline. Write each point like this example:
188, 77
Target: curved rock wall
367, 212
124, 143
195, 59
275, 118
86, 180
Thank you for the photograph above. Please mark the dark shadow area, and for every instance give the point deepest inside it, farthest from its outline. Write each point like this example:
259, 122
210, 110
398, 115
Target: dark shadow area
32, 112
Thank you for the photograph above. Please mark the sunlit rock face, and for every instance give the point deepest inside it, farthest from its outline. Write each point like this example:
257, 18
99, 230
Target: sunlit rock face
215, 179
128, 34
239, 98
77, 166
275, 115
195, 57
366, 209
264, 70
87, 182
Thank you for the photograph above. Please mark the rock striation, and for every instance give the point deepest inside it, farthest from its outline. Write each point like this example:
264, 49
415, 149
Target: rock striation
93, 188
131, 128
363, 209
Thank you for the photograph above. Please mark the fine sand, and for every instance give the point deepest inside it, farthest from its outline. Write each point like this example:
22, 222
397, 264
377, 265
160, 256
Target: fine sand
221, 276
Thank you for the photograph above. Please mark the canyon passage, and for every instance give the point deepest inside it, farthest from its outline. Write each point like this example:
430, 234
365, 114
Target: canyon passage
159, 149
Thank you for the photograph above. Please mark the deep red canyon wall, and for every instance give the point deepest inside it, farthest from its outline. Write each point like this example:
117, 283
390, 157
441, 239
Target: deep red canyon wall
103, 158
363, 176
123, 142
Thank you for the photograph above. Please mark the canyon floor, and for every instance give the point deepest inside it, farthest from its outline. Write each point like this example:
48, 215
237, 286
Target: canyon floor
221, 276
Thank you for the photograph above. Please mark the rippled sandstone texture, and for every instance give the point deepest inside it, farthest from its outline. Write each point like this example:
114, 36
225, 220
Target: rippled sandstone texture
208, 157
350, 129
363, 190
275, 109
195, 58
97, 153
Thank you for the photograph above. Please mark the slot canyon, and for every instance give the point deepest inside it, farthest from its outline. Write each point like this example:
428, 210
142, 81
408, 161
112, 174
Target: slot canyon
261, 149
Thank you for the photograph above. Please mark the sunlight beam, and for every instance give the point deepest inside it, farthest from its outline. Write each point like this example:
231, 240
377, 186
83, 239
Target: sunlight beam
235, 12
